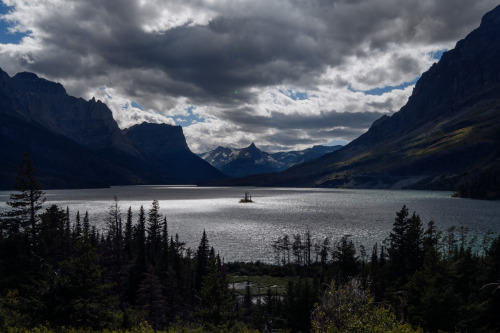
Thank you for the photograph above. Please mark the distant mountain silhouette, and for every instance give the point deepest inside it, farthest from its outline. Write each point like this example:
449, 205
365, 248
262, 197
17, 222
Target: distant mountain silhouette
448, 132
76, 143
251, 160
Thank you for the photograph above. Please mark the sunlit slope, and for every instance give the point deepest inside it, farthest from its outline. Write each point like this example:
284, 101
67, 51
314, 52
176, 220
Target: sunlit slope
448, 130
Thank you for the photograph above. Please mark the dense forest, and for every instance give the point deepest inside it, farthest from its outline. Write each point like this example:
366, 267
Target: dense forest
485, 185
59, 273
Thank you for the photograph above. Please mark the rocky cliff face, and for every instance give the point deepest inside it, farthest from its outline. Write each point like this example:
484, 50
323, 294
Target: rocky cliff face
448, 131
166, 146
76, 143
89, 123
157, 139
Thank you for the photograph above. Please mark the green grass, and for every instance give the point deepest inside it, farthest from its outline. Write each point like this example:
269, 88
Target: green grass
260, 284
438, 143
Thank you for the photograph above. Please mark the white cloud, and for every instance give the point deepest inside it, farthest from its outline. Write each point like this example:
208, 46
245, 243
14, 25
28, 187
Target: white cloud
233, 59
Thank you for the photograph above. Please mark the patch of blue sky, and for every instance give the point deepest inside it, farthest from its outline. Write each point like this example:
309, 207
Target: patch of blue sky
437, 54
189, 119
103, 88
296, 95
136, 105
7, 37
382, 90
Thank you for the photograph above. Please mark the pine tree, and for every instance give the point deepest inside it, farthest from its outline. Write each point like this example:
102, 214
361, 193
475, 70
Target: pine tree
139, 265
54, 243
325, 249
307, 247
406, 245
154, 231
115, 231
85, 300
86, 226
78, 226
217, 304
150, 298
201, 260
345, 256
23, 217
140, 236
128, 234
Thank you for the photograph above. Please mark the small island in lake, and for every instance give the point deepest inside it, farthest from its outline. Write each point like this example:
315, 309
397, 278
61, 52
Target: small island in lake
247, 198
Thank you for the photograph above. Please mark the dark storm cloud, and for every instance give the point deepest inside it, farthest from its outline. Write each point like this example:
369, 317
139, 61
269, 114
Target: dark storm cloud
220, 55
246, 50
246, 118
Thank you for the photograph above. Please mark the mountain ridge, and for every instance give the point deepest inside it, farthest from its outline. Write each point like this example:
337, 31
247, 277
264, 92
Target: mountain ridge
76, 143
239, 162
448, 131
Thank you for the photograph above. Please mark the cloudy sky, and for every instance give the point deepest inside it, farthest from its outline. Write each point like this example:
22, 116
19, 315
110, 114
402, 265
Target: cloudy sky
285, 74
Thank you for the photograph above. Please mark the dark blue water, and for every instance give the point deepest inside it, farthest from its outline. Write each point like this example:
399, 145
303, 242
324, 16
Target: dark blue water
246, 231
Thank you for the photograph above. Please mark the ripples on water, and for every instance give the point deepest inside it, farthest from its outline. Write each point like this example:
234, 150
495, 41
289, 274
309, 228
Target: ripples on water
246, 231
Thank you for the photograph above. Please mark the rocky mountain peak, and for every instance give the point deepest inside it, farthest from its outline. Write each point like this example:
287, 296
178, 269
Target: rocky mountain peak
252, 150
156, 138
36, 85
492, 18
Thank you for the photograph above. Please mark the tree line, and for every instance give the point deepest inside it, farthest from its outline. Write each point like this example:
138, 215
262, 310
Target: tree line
57, 269
445, 281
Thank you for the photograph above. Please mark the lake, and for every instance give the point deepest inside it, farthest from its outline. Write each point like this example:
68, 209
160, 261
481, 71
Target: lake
246, 231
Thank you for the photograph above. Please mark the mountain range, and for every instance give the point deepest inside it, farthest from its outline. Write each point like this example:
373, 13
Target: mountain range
240, 162
446, 137
447, 134
76, 143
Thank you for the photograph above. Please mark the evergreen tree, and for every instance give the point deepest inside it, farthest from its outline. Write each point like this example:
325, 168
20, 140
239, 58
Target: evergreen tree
54, 243
139, 265
344, 255
115, 231
128, 234
140, 236
201, 260
163, 263
84, 300
25, 205
150, 298
325, 249
86, 226
298, 305
297, 248
78, 226
217, 304
308, 247
154, 231
406, 245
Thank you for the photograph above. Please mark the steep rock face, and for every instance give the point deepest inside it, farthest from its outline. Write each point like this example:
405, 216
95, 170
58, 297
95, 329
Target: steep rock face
448, 130
89, 123
166, 146
158, 139
60, 162
76, 143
